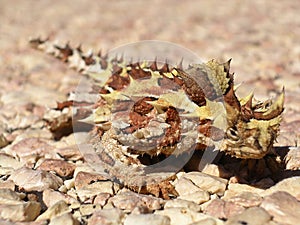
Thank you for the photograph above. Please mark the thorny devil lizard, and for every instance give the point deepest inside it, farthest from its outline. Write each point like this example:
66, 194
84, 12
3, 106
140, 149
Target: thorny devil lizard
135, 118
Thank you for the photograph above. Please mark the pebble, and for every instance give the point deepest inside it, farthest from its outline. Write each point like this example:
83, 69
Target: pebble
222, 209
246, 199
101, 199
3, 141
251, 216
147, 219
283, 207
198, 197
20, 211
35, 180
31, 149
183, 215
8, 196
212, 184
64, 219
83, 178
290, 185
107, 217
182, 203
235, 189
55, 210
50, 197
9, 161
90, 191
60, 167
88, 209
129, 200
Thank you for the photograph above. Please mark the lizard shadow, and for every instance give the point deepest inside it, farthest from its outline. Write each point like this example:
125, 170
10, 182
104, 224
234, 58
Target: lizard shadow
262, 173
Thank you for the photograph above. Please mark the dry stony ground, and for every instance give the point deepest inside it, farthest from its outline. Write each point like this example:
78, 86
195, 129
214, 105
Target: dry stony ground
43, 181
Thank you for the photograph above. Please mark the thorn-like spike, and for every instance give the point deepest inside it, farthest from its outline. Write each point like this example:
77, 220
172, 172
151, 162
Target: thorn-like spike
165, 68
248, 104
153, 65
79, 48
180, 64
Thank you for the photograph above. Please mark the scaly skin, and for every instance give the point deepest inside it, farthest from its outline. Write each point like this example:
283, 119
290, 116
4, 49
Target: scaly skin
146, 110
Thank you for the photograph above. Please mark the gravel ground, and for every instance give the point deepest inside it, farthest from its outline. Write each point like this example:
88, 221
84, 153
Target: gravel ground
44, 181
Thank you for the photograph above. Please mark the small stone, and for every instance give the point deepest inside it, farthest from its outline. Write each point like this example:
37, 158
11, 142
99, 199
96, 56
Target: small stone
9, 161
107, 217
235, 189
35, 180
182, 215
8, 196
283, 207
70, 152
128, 200
182, 204
292, 159
92, 190
60, 167
7, 184
102, 198
57, 209
246, 199
88, 209
3, 141
31, 149
6, 222
216, 170
50, 197
20, 211
222, 209
251, 216
198, 197
185, 186
85, 178
208, 221
147, 219
290, 185
213, 185
64, 219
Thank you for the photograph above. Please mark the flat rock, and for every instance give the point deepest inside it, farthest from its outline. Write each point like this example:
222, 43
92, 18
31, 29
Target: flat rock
212, 184
235, 189
290, 185
55, 210
83, 178
283, 207
50, 197
246, 199
185, 186
198, 197
9, 161
64, 219
184, 216
60, 167
182, 204
147, 219
35, 180
107, 217
221, 209
128, 200
251, 216
91, 190
292, 159
101, 199
20, 211
8, 196
30, 149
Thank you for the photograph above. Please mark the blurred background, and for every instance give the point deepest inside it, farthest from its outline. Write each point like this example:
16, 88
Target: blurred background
262, 38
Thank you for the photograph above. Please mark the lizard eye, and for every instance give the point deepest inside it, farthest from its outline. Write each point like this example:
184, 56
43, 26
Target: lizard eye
232, 134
